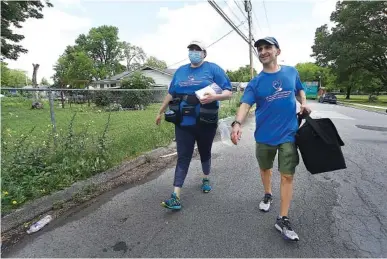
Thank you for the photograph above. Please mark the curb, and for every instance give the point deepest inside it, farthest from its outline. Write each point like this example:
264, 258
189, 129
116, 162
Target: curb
360, 108
44, 204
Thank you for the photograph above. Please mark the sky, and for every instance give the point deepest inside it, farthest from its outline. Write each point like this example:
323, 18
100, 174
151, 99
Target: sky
165, 28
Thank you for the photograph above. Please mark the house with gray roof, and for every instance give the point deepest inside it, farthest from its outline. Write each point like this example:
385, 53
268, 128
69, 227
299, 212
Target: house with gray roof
162, 77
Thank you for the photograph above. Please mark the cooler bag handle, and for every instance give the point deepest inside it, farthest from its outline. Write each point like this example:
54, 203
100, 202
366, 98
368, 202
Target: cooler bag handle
315, 127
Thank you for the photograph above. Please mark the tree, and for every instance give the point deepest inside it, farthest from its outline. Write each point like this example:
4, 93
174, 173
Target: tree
243, 74
94, 56
35, 74
13, 13
363, 24
134, 55
13, 77
308, 71
102, 45
44, 81
312, 72
73, 66
357, 43
4, 74
156, 63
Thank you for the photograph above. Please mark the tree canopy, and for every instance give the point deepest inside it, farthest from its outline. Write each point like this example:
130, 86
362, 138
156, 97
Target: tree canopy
98, 55
13, 77
312, 72
15, 13
242, 74
356, 47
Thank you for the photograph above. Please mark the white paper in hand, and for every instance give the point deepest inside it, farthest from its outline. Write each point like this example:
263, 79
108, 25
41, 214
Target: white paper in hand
212, 88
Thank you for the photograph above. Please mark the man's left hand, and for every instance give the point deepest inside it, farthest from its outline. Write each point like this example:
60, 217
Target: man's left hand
208, 98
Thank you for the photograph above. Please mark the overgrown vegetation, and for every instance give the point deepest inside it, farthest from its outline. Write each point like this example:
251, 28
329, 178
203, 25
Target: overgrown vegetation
32, 168
36, 161
88, 141
229, 107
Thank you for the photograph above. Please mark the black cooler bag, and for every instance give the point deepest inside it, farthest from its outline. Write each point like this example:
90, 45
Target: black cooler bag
320, 145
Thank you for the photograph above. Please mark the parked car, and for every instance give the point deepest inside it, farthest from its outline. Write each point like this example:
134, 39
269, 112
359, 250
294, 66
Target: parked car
328, 98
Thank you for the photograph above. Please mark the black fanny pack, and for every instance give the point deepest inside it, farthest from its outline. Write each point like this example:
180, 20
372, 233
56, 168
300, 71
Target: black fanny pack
190, 99
173, 114
209, 113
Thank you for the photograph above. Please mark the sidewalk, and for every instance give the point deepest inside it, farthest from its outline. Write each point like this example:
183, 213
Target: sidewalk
370, 106
365, 107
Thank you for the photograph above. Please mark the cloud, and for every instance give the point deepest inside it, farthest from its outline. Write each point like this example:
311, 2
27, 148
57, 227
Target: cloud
323, 9
194, 21
69, 4
200, 21
47, 38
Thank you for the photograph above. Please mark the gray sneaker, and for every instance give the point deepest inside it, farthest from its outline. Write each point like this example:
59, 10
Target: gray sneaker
264, 205
283, 225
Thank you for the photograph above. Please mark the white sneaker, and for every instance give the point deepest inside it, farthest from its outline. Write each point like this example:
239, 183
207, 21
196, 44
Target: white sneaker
264, 205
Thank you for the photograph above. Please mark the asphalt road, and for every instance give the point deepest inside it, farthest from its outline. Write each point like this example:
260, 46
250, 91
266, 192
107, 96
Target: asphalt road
336, 214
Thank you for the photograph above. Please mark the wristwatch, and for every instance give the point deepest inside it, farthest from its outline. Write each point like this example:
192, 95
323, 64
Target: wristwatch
235, 122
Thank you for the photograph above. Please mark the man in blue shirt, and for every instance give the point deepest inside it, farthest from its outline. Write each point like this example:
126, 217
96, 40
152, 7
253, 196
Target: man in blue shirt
195, 120
274, 91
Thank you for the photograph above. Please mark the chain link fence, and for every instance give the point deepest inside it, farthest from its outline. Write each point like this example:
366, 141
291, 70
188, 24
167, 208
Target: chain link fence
54, 137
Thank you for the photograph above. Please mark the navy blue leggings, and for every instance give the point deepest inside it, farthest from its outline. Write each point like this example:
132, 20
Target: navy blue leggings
185, 142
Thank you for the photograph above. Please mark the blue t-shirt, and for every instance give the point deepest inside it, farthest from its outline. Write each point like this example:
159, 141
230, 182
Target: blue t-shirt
187, 80
275, 97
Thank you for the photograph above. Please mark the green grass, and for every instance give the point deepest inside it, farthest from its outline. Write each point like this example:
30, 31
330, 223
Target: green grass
363, 99
230, 107
131, 132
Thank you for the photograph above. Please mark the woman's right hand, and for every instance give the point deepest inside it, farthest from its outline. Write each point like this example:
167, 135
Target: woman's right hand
158, 119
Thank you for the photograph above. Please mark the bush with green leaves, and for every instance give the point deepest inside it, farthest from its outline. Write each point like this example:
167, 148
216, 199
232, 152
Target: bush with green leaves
102, 98
137, 99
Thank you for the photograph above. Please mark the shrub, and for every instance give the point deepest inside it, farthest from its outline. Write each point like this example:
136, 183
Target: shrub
102, 98
140, 98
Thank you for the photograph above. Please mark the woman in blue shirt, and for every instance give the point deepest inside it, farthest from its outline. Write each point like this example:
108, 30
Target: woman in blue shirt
195, 120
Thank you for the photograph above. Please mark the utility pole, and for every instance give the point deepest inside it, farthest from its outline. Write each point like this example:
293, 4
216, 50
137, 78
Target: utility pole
248, 9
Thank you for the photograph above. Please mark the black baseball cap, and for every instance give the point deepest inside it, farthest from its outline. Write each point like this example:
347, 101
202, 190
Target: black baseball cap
267, 40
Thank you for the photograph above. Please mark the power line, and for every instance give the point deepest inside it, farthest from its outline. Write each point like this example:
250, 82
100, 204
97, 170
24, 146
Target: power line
225, 17
234, 13
256, 19
267, 20
240, 9
228, 33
